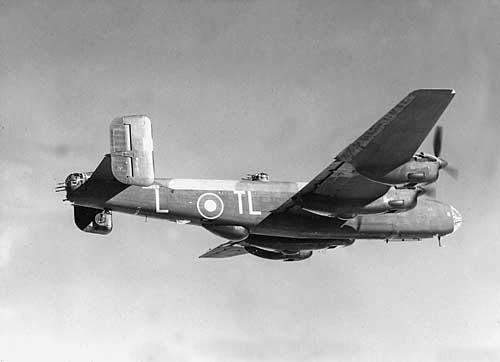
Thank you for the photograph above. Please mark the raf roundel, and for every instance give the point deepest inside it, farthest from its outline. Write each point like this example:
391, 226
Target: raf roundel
210, 206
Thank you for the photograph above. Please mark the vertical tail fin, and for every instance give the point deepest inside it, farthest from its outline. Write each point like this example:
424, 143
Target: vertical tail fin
132, 150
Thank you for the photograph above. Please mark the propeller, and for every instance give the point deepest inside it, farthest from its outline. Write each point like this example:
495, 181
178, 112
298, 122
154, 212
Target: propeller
438, 139
443, 164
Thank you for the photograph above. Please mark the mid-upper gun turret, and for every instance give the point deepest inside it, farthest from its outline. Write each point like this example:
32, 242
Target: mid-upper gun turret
260, 176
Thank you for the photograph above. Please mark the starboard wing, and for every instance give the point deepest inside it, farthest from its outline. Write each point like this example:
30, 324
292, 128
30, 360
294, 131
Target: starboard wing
394, 138
390, 142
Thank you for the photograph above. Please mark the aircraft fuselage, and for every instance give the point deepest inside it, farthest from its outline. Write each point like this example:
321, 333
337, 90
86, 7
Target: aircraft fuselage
249, 203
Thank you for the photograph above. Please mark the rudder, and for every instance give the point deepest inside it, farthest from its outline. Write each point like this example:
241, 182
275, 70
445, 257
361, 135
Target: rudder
131, 143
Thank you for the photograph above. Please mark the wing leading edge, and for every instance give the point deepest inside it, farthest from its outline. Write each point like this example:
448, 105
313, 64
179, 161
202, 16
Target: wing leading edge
394, 138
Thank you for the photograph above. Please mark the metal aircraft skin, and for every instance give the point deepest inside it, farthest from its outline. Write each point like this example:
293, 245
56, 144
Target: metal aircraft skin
374, 189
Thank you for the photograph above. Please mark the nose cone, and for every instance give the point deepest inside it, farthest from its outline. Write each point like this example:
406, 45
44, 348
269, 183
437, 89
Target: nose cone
457, 218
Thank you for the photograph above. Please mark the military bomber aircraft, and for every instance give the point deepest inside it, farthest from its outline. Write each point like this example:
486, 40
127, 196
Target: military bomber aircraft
376, 188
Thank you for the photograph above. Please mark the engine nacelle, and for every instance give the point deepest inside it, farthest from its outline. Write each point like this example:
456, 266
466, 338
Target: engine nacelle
90, 220
415, 171
395, 200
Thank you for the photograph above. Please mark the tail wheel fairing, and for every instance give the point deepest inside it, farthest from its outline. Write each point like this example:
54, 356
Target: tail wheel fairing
96, 221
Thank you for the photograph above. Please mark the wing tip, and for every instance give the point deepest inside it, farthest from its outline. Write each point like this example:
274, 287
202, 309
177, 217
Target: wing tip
450, 91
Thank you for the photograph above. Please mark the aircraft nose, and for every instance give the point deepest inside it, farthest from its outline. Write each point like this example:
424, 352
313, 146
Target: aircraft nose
457, 218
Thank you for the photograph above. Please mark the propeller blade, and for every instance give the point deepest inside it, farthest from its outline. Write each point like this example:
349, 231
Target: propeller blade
438, 138
443, 164
452, 171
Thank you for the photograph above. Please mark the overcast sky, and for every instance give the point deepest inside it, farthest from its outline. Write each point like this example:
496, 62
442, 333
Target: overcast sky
235, 87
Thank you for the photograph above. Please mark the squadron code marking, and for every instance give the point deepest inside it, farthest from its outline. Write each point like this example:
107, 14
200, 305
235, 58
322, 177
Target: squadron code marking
210, 206
156, 189
240, 194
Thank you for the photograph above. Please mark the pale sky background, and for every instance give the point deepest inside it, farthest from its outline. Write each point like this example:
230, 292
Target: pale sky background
235, 87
